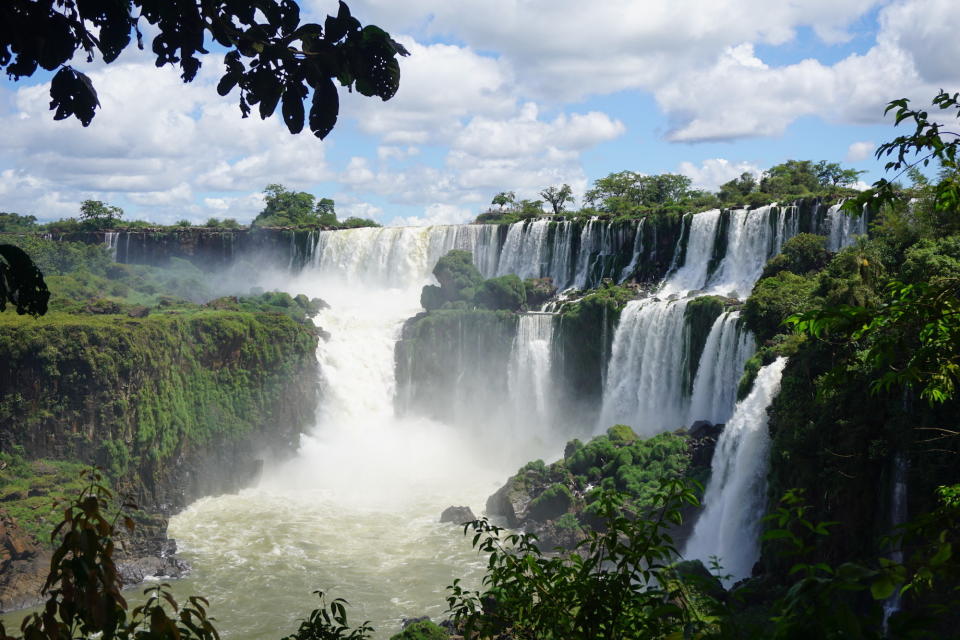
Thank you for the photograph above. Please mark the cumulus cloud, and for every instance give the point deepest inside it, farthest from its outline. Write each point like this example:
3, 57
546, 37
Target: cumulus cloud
154, 145
860, 151
437, 214
715, 171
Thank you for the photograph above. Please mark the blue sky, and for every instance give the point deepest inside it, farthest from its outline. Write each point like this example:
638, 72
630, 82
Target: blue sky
499, 95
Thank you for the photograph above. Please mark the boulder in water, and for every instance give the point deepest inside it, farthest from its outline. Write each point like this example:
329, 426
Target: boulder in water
457, 515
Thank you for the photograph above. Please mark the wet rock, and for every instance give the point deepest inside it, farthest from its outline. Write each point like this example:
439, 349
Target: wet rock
457, 515
24, 565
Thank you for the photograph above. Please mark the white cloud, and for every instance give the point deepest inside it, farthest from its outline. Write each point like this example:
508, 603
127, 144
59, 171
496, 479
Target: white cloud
437, 214
715, 171
155, 143
860, 151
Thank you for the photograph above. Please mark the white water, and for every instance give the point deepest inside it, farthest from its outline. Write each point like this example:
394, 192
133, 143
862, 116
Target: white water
356, 512
111, 240
727, 349
530, 370
692, 274
898, 515
644, 382
842, 229
735, 499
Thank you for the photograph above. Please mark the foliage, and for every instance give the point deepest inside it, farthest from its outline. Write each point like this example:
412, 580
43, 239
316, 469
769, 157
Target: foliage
631, 193
557, 197
774, 299
21, 282
285, 208
929, 142
329, 622
617, 585
153, 383
271, 56
503, 292
801, 254
422, 630
96, 214
16, 223
29, 489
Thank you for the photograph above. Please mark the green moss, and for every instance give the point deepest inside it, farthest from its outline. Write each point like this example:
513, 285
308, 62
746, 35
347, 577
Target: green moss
29, 489
422, 630
124, 392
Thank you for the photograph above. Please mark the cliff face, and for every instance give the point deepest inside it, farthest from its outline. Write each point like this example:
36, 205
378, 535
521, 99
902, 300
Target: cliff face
206, 248
173, 406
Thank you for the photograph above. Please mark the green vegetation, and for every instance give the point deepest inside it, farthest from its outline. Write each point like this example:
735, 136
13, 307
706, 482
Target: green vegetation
463, 287
298, 209
422, 630
628, 194
30, 488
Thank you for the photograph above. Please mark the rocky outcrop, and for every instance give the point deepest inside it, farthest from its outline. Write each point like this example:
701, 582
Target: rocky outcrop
24, 564
554, 501
457, 515
173, 406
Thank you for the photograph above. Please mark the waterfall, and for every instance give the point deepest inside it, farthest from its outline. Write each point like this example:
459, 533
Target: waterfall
530, 369
735, 498
692, 273
644, 381
754, 236
842, 229
111, 239
898, 515
727, 349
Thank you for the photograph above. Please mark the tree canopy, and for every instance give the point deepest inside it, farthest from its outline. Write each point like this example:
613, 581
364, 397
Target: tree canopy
272, 57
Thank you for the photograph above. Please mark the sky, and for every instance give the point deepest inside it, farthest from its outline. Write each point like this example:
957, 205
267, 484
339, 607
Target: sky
498, 95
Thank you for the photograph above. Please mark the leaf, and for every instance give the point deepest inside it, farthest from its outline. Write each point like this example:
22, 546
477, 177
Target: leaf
324, 108
292, 110
882, 588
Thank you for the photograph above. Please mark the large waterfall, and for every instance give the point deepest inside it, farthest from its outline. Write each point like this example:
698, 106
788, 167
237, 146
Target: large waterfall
355, 513
735, 499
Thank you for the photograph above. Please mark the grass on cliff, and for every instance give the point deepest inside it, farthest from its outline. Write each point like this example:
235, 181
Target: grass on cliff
30, 488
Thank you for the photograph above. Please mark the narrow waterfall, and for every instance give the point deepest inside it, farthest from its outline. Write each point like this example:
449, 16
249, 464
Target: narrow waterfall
530, 370
644, 382
729, 526
842, 229
898, 515
111, 240
727, 349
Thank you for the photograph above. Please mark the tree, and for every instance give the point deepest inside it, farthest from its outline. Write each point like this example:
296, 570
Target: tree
793, 177
504, 199
738, 188
272, 57
16, 223
556, 197
326, 213
831, 174
96, 214
284, 208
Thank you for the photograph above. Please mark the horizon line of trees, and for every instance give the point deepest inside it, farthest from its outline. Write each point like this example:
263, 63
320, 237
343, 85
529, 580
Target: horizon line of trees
632, 194
282, 208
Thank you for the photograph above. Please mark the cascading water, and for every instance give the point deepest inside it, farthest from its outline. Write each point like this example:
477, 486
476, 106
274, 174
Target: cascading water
842, 229
529, 374
356, 512
727, 349
735, 499
898, 516
111, 240
644, 383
